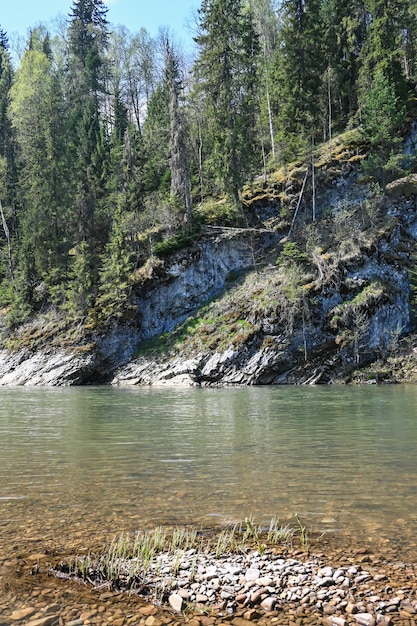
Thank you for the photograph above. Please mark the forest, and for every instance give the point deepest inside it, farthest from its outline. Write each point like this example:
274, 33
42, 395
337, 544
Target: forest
115, 149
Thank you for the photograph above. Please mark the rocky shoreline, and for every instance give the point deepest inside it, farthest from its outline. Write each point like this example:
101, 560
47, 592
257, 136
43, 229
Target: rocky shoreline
268, 584
267, 588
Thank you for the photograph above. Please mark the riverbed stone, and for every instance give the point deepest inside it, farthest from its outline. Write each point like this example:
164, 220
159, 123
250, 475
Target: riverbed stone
176, 602
364, 619
334, 620
22, 614
240, 621
48, 620
252, 574
268, 604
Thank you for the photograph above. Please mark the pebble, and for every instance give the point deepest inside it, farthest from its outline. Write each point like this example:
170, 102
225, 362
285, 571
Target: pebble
43, 621
22, 614
365, 619
176, 602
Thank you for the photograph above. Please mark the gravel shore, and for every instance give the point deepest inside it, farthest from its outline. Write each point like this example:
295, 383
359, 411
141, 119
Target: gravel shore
269, 588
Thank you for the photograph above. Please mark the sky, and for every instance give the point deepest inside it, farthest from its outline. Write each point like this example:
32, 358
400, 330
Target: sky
17, 16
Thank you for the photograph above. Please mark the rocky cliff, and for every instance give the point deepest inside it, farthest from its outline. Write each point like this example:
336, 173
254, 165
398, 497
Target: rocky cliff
252, 305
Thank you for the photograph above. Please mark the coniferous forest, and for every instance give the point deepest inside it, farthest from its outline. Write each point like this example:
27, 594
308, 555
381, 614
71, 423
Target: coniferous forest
113, 146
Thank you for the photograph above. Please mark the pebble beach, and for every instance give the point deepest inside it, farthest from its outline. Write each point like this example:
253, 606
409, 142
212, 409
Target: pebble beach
272, 587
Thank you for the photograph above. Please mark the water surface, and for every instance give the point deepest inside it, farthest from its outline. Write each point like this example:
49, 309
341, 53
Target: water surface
81, 463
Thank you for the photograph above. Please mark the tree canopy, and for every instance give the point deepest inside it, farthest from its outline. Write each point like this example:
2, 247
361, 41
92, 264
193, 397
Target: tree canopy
109, 140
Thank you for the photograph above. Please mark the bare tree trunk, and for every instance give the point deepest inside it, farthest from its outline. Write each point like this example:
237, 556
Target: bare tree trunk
298, 203
268, 100
329, 96
313, 181
9, 245
180, 179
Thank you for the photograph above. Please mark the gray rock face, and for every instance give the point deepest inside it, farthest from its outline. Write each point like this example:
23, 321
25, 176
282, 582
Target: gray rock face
191, 277
188, 280
191, 280
60, 368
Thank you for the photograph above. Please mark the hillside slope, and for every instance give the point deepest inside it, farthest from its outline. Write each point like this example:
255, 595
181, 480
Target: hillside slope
317, 285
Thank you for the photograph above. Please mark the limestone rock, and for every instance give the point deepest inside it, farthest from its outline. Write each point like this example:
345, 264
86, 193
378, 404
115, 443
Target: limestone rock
176, 602
364, 619
22, 614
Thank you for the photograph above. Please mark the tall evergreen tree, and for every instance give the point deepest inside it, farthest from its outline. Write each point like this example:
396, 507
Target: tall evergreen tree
88, 36
266, 24
7, 147
36, 109
226, 72
112, 303
390, 21
155, 135
4, 40
383, 115
8, 173
180, 179
299, 68
345, 26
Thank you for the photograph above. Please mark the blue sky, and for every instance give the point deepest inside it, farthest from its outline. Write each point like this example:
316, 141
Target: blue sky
17, 16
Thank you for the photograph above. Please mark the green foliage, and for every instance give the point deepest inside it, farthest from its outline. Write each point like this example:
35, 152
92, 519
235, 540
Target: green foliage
112, 303
299, 66
98, 165
79, 293
219, 212
227, 77
14, 301
413, 287
291, 254
156, 174
173, 244
383, 117
389, 44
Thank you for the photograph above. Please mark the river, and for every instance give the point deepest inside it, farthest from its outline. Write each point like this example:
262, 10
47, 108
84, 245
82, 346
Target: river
81, 464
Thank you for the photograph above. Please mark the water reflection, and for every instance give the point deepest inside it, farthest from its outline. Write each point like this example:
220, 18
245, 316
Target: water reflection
82, 460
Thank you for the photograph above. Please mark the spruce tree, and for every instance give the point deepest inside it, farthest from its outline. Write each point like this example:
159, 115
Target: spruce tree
299, 68
389, 22
226, 72
155, 136
36, 109
345, 26
266, 24
115, 277
180, 179
7, 144
88, 37
383, 116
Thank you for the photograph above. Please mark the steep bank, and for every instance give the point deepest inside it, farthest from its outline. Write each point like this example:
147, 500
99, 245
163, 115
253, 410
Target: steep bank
309, 292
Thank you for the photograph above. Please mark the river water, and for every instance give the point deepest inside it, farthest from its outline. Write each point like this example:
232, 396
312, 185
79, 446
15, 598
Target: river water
81, 464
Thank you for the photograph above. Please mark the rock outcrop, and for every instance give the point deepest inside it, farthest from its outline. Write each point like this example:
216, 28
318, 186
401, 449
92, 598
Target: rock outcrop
351, 308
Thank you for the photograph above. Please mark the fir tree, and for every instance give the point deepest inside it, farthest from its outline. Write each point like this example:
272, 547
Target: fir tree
345, 26
88, 37
299, 68
389, 22
115, 282
180, 179
226, 73
8, 171
383, 115
36, 109
4, 40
